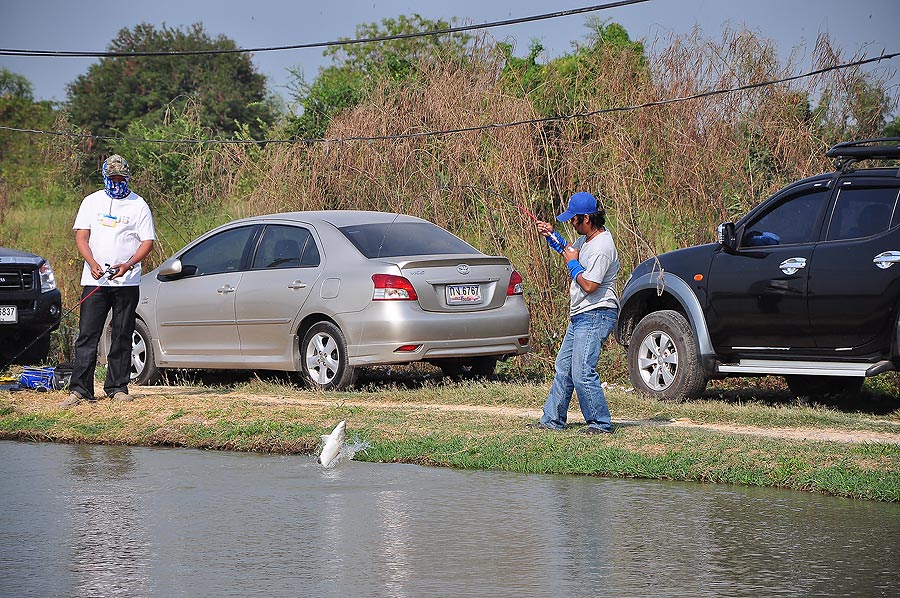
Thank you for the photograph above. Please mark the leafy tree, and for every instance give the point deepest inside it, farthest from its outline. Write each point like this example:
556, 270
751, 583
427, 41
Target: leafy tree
892, 129
359, 67
565, 84
858, 110
121, 90
20, 159
13, 85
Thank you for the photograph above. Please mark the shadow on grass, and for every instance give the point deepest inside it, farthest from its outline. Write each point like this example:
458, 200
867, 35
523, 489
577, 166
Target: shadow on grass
773, 392
371, 379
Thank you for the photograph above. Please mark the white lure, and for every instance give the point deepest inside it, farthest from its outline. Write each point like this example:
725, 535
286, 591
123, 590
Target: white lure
334, 442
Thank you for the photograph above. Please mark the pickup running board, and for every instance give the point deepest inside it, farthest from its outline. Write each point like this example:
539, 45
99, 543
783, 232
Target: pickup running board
778, 367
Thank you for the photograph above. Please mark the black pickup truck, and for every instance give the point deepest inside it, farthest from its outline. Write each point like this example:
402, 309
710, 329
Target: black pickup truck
806, 285
30, 307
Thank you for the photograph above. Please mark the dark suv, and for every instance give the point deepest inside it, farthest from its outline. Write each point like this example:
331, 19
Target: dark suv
30, 307
806, 285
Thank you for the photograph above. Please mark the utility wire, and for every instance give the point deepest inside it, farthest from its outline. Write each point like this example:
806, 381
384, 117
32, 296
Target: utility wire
401, 136
340, 42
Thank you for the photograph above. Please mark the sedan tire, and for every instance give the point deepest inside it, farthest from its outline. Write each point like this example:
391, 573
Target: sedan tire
324, 360
143, 364
663, 360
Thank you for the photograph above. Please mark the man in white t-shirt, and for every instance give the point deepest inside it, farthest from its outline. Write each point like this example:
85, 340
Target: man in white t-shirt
114, 232
593, 264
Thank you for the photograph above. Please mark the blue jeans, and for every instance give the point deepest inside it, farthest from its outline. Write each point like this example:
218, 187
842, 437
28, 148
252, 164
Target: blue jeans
123, 302
576, 370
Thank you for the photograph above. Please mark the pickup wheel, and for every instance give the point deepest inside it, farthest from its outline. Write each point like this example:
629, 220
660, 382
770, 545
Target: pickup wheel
663, 360
37, 352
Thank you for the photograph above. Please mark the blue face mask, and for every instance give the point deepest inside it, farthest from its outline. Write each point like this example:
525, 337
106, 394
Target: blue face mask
116, 190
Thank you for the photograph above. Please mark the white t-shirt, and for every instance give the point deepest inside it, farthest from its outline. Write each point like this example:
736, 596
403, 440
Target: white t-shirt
118, 227
601, 265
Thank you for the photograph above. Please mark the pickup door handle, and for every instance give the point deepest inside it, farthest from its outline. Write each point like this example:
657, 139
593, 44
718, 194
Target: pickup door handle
297, 284
226, 289
887, 259
791, 265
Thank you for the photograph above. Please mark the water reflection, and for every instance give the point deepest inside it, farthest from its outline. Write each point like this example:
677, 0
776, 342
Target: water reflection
98, 521
108, 542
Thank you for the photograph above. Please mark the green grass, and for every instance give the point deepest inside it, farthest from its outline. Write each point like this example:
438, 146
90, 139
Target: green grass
481, 426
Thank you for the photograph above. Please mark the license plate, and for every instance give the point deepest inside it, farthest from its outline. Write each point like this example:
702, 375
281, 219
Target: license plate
463, 294
9, 313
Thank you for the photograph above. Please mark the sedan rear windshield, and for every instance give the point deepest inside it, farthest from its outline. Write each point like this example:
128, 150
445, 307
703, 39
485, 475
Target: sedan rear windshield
392, 239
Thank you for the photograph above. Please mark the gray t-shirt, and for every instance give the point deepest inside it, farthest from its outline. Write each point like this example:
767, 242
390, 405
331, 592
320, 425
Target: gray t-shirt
601, 265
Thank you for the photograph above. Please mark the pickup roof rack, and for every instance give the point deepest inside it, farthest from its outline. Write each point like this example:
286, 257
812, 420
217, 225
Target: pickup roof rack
882, 148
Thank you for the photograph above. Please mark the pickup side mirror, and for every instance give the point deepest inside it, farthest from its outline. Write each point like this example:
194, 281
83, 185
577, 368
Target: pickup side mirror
725, 236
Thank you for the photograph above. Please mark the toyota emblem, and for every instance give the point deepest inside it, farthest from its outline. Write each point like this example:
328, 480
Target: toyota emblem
463, 269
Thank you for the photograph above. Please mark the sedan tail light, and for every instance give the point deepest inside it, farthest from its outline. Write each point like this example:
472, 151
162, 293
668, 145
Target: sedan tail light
515, 284
389, 287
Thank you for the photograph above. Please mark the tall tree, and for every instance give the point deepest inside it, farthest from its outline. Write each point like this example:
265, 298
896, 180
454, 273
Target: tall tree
559, 86
120, 90
358, 67
20, 161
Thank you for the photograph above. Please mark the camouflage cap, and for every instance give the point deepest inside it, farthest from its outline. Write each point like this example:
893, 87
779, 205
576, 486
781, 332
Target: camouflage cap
116, 165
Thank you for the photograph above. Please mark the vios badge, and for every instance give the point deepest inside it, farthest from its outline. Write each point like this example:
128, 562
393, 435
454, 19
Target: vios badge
463, 269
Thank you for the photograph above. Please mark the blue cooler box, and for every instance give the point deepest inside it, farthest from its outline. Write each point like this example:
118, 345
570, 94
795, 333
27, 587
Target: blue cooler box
37, 378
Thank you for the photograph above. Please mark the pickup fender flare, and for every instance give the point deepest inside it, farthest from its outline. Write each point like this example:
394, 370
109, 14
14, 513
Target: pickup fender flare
666, 282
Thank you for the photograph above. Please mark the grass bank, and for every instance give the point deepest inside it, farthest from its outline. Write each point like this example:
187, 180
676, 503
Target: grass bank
756, 440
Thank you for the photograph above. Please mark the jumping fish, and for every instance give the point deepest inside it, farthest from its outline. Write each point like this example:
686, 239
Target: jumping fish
334, 442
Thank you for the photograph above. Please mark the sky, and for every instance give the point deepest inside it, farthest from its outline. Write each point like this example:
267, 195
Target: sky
866, 26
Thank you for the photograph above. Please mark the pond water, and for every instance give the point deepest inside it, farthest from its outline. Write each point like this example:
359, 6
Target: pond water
105, 521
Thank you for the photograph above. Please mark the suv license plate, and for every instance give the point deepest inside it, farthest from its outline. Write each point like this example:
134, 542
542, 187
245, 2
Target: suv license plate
463, 294
9, 314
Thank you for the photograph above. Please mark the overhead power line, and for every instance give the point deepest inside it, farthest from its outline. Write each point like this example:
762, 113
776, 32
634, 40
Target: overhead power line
342, 42
473, 128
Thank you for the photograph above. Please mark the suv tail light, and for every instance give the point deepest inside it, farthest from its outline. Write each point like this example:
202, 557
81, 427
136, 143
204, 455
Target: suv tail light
389, 287
515, 284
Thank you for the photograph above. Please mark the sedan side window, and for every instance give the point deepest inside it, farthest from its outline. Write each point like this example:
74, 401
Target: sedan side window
220, 253
862, 212
792, 221
286, 247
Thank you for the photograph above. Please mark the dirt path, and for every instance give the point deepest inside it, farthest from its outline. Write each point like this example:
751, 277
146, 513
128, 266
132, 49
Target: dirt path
816, 434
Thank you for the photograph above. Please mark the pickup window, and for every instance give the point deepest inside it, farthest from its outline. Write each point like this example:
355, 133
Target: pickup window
862, 212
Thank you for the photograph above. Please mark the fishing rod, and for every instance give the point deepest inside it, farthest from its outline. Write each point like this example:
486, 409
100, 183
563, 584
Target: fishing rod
518, 204
107, 274
555, 240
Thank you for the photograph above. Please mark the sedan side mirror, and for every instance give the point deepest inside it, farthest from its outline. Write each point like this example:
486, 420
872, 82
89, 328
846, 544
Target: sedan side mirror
170, 268
174, 269
725, 236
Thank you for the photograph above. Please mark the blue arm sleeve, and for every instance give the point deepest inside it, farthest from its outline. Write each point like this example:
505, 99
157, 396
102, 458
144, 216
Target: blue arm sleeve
575, 268
557, 242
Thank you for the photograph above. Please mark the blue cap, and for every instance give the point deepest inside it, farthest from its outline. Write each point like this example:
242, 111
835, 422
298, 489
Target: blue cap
580, 203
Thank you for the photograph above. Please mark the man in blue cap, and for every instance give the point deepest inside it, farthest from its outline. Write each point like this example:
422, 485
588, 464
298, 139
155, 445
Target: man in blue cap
593, 263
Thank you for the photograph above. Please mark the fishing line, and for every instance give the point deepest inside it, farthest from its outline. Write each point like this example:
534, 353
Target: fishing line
106, 274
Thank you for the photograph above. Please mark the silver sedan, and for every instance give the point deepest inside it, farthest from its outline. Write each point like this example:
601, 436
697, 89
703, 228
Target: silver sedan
325, 293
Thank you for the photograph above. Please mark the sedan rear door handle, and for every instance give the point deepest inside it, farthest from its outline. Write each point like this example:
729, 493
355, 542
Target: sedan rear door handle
297, 284
226, 289
887, 259
791, 265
